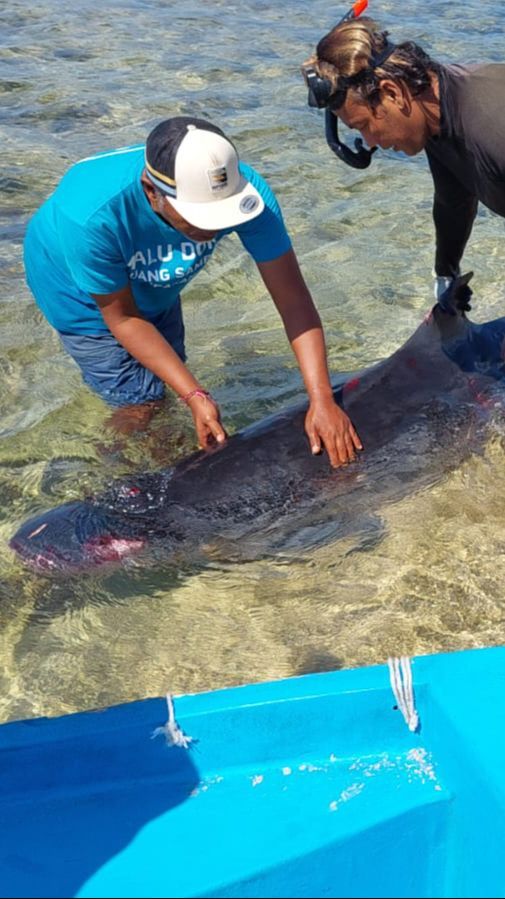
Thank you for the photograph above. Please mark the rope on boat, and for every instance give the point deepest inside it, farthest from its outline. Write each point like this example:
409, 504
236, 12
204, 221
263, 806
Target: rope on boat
400, 675
174, 735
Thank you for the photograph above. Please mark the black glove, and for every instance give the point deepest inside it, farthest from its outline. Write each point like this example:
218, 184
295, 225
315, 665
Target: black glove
453, 294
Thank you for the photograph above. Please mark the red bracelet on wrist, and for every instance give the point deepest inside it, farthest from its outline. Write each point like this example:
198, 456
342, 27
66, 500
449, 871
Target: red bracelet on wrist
197, 392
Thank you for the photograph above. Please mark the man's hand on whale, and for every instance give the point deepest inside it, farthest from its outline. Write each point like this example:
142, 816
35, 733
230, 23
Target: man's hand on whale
328, 427
326, 424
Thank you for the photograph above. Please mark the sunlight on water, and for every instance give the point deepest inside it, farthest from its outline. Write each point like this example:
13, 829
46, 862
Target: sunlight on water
424, 573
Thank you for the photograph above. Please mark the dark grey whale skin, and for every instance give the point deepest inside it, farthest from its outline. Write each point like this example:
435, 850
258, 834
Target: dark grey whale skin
419, 413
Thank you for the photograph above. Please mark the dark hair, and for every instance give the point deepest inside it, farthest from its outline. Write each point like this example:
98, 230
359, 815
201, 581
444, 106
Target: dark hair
345, 56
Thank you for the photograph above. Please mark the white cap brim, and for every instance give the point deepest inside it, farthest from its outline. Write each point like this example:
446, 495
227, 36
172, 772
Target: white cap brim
243, 206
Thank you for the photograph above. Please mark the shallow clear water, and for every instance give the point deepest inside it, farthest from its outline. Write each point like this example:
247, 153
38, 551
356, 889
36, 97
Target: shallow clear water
78, 81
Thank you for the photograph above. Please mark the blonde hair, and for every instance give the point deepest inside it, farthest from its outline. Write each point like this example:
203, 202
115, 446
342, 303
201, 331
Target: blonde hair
345, 57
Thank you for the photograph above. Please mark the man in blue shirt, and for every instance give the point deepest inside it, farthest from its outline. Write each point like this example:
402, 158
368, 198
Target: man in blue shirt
108, 253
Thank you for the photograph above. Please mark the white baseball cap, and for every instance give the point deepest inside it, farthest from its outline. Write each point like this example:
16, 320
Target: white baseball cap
196, 166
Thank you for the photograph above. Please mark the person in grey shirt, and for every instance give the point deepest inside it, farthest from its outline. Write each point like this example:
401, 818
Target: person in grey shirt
399, 98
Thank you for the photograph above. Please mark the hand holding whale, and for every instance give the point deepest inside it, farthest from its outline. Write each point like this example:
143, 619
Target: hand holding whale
207, 419
327, 425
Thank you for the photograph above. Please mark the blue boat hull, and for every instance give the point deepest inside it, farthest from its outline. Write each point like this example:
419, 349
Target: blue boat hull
309, 786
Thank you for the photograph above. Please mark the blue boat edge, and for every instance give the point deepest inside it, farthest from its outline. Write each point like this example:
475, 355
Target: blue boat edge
308, 776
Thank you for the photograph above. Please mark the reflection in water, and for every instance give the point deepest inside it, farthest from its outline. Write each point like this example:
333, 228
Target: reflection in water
75, 82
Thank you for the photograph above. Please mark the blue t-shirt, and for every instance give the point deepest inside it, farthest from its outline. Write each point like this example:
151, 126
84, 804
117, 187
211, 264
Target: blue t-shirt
97, 233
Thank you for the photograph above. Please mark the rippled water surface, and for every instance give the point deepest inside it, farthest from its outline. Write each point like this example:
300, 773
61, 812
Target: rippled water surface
76, 81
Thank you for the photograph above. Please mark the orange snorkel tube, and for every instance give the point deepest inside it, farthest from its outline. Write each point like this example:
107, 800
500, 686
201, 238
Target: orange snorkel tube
355, 10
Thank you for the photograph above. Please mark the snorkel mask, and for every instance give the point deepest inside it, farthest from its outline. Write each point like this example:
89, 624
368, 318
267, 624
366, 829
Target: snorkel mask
323, 95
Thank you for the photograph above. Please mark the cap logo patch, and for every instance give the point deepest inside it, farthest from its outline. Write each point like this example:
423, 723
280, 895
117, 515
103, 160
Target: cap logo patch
248, 204
218, 178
